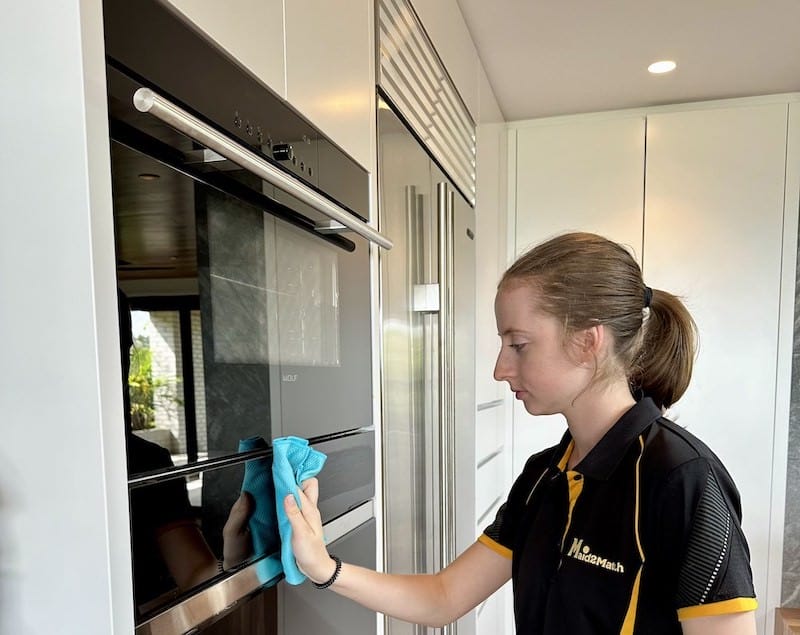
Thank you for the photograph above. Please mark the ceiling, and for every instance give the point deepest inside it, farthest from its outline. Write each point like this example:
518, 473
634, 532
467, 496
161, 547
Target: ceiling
554, 57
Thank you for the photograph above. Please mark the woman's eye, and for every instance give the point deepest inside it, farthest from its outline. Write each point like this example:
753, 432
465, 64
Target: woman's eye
517, 347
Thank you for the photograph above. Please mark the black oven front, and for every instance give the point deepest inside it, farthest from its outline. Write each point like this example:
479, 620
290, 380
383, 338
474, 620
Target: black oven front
243, 260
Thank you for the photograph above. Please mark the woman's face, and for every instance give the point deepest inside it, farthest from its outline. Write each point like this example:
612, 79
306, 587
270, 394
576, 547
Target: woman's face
540, 367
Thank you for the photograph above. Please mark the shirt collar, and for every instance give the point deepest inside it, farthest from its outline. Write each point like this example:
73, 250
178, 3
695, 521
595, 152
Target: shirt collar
604, 457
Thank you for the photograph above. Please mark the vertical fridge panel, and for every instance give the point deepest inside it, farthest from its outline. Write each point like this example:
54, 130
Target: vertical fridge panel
464, 404
409, 306
457, 379
427, 305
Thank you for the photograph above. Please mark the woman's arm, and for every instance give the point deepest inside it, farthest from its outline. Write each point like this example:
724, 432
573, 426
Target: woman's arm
433, 600
187, 555
731, 624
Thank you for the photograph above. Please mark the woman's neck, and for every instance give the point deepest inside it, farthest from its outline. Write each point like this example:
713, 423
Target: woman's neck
593, 414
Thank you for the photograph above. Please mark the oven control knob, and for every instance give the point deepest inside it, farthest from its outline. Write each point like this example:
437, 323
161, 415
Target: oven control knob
282, 152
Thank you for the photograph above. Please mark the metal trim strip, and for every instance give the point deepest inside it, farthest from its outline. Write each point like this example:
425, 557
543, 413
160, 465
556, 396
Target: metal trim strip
414, 78
222, 596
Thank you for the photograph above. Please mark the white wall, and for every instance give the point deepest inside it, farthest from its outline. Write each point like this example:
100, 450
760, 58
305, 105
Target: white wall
721, 169
64, 544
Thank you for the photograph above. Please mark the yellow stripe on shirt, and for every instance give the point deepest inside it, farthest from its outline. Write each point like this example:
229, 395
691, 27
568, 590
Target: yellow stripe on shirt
495, 546
736, 605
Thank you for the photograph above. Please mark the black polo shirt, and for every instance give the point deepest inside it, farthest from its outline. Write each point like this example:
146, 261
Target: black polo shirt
644, 532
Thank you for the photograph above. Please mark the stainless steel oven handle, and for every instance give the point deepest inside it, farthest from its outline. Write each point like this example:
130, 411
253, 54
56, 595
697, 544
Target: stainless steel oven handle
146, 100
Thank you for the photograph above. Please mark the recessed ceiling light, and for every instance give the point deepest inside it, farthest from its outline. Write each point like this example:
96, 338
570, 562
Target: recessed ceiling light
148, 176
664, 66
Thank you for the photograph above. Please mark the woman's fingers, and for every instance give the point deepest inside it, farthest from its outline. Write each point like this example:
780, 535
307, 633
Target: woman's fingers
307, 543
309, 510
311, 489
239, 515
236, 541
294, 513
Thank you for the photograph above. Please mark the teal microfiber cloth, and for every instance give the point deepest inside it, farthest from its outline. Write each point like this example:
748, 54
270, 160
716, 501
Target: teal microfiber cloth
257, 482
293, 461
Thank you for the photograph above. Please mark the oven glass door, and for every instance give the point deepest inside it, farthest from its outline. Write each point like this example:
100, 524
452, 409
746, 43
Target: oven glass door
244, 322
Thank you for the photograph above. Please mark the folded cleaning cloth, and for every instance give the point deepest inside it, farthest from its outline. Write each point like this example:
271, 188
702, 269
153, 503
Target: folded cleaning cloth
263, 521
257, 482
293, 461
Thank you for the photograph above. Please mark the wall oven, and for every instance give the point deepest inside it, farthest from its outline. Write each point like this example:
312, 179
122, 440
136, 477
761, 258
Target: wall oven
243, 261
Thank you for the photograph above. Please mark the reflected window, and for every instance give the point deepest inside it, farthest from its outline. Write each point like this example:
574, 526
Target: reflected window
167, 402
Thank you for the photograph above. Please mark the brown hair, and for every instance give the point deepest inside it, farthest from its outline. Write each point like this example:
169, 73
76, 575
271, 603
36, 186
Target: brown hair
585, 280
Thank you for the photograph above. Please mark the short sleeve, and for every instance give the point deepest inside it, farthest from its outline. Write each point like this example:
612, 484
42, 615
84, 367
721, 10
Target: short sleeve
501, 535
713, 559
497, 536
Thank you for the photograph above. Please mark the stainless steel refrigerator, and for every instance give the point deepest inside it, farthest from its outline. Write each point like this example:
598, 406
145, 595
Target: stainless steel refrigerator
428, 362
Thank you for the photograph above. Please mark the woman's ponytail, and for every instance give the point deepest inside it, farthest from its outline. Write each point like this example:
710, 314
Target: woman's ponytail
663, 367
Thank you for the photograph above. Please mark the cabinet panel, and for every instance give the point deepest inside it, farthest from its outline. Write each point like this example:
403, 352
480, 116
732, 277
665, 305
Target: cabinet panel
329, 71
490, 434
490, 486
493, 616
304, 610
250, 30
713, 235
586, 175
490, 241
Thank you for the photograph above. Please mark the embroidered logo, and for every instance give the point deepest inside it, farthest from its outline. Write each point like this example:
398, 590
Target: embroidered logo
582, 552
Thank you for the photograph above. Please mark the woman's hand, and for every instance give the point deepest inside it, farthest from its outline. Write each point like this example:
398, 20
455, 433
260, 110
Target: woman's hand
308, 542
236, 539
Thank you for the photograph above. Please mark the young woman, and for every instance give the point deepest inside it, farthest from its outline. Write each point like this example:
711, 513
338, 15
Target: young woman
630, 524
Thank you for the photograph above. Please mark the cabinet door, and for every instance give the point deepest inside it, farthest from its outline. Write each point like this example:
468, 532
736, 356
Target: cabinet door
490, 243
586, 175
330, 71
713, 235
304, 610
250, 30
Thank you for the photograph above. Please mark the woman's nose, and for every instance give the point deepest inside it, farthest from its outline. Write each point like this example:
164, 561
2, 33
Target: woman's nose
501, 368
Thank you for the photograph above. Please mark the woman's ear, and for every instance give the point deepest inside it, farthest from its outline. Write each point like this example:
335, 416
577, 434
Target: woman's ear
590, 344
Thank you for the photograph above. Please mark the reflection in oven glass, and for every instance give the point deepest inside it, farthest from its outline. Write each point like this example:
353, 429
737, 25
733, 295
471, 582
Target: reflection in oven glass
237, 324
156, 381
177, 545
183, 533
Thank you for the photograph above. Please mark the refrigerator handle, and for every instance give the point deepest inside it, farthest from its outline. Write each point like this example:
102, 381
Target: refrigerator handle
445, 207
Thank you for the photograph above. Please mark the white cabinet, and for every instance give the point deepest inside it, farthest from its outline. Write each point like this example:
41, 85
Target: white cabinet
712, 225
316, 55
330, 71
64, 527
714, 235
588, 175
490, 244
493, 421
582, 174
250, 30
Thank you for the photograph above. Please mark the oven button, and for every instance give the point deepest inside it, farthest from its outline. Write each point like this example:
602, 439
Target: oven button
282, 152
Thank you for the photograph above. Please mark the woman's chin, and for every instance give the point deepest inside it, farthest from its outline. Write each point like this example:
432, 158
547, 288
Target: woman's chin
537, 409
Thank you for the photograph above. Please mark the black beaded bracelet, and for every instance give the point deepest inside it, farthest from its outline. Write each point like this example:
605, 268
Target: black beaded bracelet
336, 572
